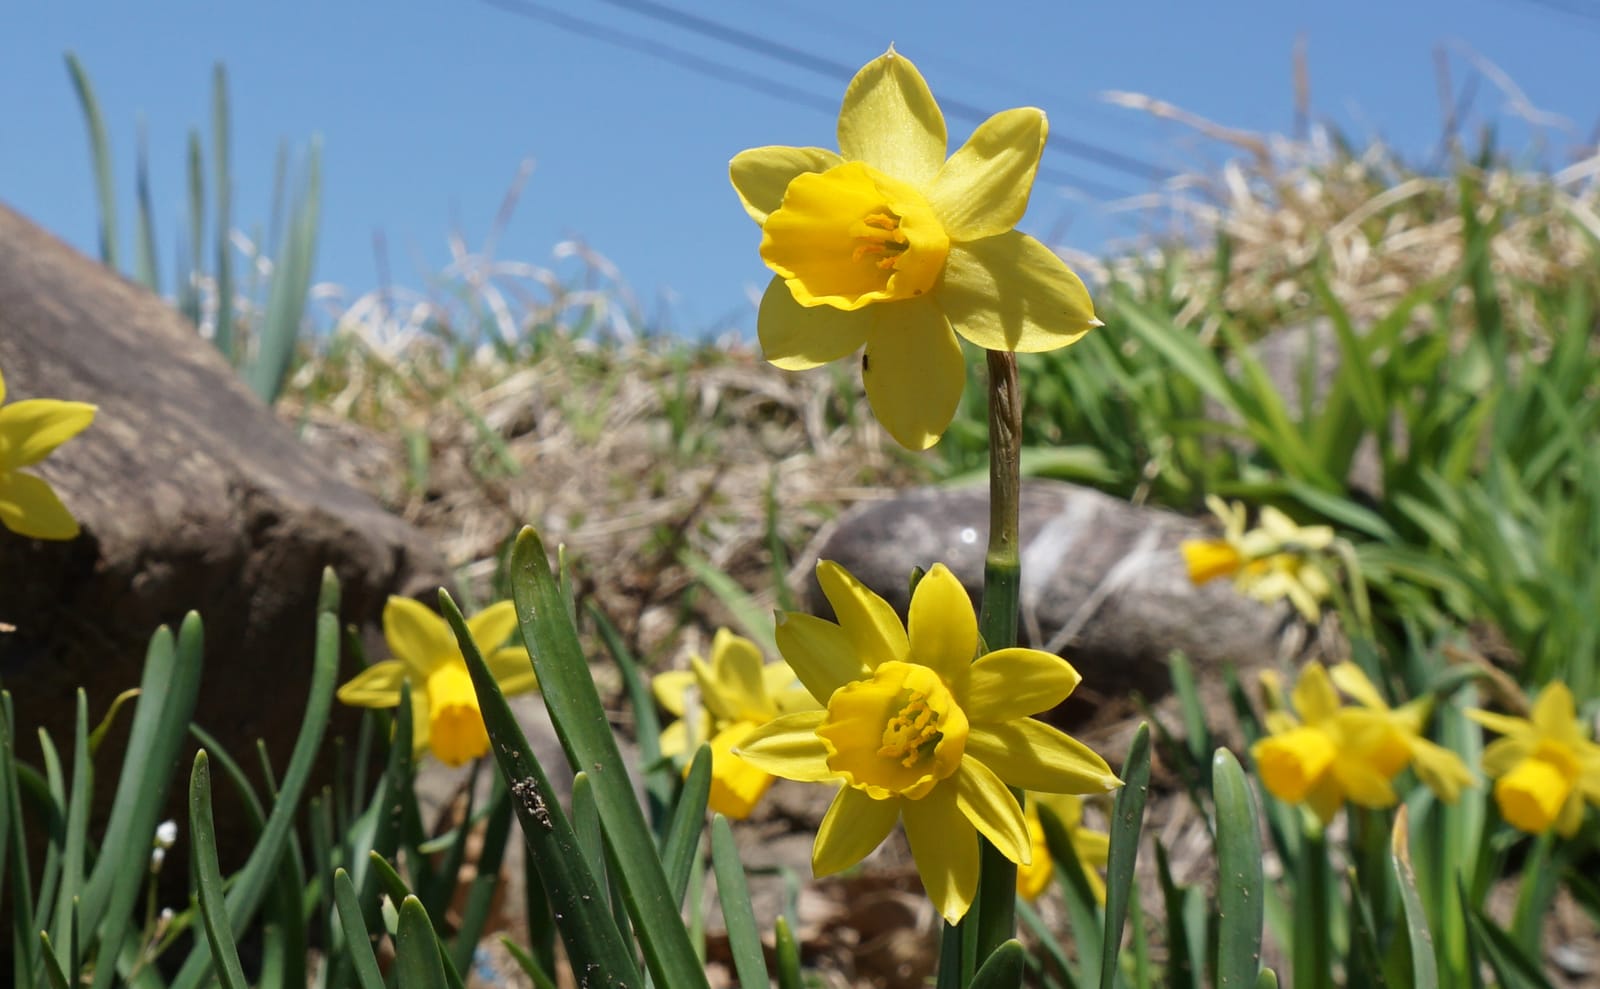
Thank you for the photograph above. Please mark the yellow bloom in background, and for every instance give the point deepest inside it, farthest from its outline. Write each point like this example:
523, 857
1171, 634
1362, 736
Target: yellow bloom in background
733, 695
1278, 559
1092, 847
888, 244
444, 707
1329, 753
29, 431
1545, 766
1439, 768
919, 732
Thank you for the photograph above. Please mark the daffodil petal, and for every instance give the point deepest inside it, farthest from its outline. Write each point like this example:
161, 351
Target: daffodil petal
421, 723
417, 637
789, 747
1363, 784
742, 689
1554, 713
914, 371
1035, 756
31, 429
799, 338
1570, 818
984, 799
983, 189
512, 670
1440, 769
821, 654
1010, 292
945, 847
1503, 754
1313, 695
736, 785
890, 120
854, 825
1353, 680
874, 629
671, 690
2, 387
491, 627
376, 686
1008, 684
29, 507
1589, 772
943, 630
674, 740
760, 175
1326, 798
1500, 724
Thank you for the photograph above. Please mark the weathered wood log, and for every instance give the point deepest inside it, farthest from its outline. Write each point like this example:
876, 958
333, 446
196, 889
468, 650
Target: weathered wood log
190, 494
1103, 582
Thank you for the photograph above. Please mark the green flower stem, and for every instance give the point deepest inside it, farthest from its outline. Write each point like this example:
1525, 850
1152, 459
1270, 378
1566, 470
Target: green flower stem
997, 623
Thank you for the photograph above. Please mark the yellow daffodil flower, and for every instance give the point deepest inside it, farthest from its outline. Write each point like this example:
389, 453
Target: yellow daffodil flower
889, 244
736, 695
919, 732
1545, 767
444, 707
29, 431
1440, 769
1275, 560
1329, 753
1093, 848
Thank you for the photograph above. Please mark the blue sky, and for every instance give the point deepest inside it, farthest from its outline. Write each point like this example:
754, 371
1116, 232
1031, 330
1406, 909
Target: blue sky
427, 109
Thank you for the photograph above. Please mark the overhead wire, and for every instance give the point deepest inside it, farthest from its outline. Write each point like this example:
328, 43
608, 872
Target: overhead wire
838, 71
757, 83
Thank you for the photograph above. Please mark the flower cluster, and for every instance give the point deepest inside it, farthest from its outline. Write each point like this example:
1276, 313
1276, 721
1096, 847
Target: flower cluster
1092, 848
919, 731
29, 431
1545, 766
446, 717
722, 702
1278, 559
1322, 752
889, 244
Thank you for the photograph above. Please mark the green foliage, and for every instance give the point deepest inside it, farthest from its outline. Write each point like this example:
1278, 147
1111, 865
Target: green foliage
259, 331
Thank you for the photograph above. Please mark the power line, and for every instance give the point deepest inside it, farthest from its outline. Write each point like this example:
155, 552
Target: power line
839, 71
667, 53
724, 73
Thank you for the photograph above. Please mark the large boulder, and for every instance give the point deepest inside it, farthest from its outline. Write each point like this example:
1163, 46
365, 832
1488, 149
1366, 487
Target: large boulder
1103, 582
190, 494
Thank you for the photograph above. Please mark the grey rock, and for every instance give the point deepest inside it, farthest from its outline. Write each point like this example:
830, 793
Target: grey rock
191, 495
1103, 582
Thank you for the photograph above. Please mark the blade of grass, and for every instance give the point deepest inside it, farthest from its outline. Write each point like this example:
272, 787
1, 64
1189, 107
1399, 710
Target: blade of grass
100, 157
253, 881
75, 852
1003, 968
357, 941
168, 689
291, 281
417, 962
479, 898
744, 942
1241, 892
687, 821
788, 953
222, 178
208, 878
580, 721
593, 942
1127, 818
1424, 967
